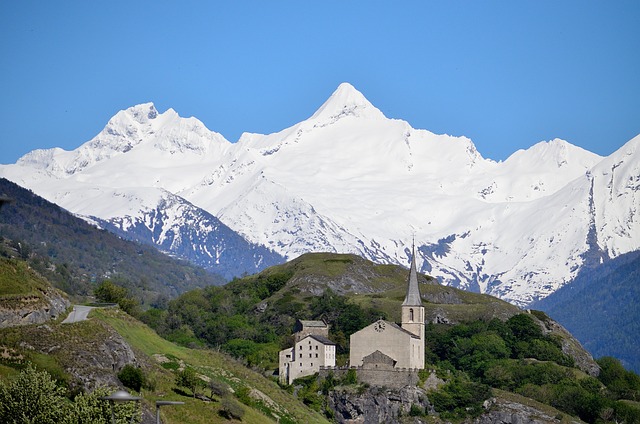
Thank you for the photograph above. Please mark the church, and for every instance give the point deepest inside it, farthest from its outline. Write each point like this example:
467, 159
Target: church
389, 344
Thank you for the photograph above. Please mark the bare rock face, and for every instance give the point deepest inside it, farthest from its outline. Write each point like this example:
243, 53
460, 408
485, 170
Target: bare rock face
501, 411
91, 352
48, 305
377, 405
100, 366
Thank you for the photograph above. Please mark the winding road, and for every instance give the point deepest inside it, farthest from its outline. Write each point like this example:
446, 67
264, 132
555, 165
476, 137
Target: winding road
79, 313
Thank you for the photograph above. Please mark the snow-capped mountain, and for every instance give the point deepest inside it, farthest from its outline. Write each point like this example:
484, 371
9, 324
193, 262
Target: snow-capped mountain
348, 179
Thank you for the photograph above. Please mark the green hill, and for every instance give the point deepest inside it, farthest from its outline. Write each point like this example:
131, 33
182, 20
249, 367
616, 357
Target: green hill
75, 354
482, 350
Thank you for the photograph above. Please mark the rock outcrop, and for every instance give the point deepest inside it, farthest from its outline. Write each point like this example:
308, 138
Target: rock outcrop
48, 304
502, 411
91, 352
377, 405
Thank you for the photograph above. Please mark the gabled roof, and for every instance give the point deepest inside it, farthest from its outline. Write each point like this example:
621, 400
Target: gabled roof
413, 297
306, 323
378, 357
318, 338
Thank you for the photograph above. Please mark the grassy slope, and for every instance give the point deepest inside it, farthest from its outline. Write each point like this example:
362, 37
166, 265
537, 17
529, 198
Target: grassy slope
209, 363
381, 286
19, 283
68, 339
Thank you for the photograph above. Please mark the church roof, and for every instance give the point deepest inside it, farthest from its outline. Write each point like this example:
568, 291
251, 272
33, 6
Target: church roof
413, 291
397, 327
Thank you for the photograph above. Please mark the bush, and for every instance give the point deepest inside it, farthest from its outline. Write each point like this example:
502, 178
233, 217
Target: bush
131, 377
189, 378
460, 398
231, 409
416, 411
350, 377
218, 388
34, 397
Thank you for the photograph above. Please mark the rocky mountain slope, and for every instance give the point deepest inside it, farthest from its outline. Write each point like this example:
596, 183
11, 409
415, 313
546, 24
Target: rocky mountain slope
348, 179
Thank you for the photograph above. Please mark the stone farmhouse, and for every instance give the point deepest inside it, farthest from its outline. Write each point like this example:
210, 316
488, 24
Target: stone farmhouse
312, 349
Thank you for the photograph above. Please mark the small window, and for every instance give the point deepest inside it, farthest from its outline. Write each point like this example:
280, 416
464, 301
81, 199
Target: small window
301, 355
316, 355
300, 363
309, 355
411, 314
316, 347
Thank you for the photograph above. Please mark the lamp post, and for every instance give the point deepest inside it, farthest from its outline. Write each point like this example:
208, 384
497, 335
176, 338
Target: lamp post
160, 403
119, 396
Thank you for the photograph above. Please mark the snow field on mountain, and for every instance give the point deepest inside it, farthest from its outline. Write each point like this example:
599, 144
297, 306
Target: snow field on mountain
350, 180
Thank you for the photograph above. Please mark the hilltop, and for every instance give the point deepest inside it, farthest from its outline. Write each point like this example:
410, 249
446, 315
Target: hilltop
468, 335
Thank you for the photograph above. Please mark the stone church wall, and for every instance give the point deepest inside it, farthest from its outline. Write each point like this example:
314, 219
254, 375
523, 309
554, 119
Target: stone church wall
391, 378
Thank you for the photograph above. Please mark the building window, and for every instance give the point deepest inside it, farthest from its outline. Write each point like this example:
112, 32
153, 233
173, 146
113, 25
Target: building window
301, 355
316, 355
309, 355
411, 314
316, 347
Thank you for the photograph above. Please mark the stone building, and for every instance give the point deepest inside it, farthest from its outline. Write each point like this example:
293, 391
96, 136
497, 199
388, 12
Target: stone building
387, 344
312, 349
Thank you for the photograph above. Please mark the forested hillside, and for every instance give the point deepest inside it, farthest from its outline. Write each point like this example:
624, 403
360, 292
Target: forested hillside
74, 255
480, 346
601, 309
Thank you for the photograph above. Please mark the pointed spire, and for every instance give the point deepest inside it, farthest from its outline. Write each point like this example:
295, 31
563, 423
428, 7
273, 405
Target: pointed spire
413, 291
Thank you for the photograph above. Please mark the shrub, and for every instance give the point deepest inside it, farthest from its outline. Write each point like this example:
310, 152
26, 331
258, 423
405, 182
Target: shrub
189, 378
350, 377
231, 409
218, 388
131, 377
33, 397
416, 411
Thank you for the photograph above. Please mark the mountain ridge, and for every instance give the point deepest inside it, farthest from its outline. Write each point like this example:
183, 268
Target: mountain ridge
362, 183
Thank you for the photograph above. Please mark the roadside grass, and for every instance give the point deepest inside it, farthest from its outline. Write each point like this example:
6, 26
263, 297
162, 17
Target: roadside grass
277, 404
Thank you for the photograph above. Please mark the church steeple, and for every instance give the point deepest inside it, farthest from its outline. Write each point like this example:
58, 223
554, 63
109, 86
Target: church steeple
413, 313
413, 291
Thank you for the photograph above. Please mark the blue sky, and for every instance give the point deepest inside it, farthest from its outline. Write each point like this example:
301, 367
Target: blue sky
506, 74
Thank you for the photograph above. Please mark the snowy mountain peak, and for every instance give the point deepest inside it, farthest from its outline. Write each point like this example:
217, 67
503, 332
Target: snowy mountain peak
554, 154
143, 113
346, 101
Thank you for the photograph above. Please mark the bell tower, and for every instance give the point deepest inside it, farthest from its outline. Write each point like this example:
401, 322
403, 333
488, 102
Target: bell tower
412, 309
